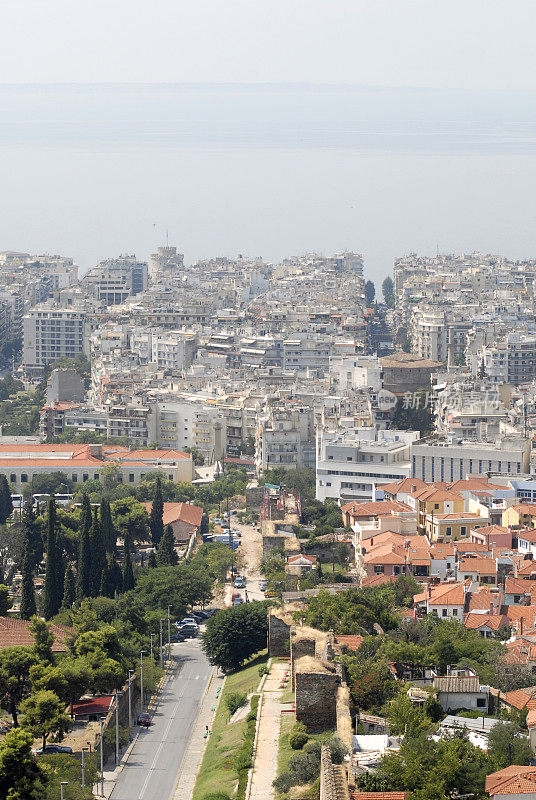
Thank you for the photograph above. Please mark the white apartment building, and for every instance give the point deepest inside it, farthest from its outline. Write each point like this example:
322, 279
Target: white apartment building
352, 462
453, 460
172, 350
115, 279
51, 333
187, 423
286, 438
312, 353
350, 372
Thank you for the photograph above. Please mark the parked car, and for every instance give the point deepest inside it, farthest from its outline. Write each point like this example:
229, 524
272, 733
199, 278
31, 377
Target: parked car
189, 631
270, 594
177, 637
238, 601
187, 621
53, 748
239, 582
263, 584
144, 720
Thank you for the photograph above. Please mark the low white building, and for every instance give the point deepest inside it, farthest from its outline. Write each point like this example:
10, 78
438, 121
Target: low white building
351, 462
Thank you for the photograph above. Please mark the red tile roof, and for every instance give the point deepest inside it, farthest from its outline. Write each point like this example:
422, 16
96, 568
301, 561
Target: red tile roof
350, 641
474, 621
379, 795
93, 705
179, 512
15, 632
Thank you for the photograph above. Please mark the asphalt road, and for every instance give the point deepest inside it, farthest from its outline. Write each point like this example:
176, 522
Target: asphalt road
153, 766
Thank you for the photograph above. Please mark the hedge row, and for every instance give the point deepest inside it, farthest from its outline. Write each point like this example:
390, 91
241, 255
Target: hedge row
244, 756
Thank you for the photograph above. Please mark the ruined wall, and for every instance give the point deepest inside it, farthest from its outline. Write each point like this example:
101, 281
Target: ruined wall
300, 646
278, 636
316, 699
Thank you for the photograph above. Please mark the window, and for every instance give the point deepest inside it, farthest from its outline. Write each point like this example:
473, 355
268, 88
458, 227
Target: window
463, 531
74, 477
378, 569
481, 702
170, 477
24, 478
436, 506
131, 477
13, 478
448, 530
444, 612
454, 612
85, 476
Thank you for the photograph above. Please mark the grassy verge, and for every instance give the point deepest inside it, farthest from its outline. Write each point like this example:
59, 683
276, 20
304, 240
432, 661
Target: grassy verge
288, 695
219, 772
285, 750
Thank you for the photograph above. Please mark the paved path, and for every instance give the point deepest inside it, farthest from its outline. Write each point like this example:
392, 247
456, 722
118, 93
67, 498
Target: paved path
265, 764
151, 767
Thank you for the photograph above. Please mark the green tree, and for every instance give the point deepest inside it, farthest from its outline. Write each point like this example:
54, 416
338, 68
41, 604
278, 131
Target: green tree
156, 523
108, 530
151, 561
53, 593
5, 600
128, 573
51, 483
77, 675
15, 663
506, 746
27, 592
32, 534
112, 579
406, 718
130, 519
370, 292
20, 776
69, 588
98, 555
388, 292
44, 638
166, 555
43, 715
6, 503
83, 570
234, 635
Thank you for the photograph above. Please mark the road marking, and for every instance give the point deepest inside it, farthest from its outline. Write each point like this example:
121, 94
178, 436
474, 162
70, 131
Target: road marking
197, 677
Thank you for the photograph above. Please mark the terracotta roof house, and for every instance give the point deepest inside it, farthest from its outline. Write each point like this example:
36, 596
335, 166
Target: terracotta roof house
486, 624
92, 708
16, 632
446, 600
184, 518
514, 780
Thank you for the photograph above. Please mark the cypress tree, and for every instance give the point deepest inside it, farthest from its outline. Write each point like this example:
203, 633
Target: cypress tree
52, 598
151, 561
69, 588
156, 523
6, 503
83, 585
28, 606
166, 555
32, 535
128, 574
98, 555
108, 531
112, 579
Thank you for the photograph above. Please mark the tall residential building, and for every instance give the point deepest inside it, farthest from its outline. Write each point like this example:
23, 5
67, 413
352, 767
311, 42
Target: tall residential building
51, 333
286, 438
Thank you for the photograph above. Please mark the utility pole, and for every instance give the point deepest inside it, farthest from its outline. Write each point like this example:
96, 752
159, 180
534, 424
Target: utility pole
130, 673
141, 676
101, 760
152, 637
83, 768
169, 631
117, 696
161, 652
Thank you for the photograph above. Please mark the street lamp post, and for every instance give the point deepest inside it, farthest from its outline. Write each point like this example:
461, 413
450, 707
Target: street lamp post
141, 676
117, 696
161, 651
62, 784
83, 768
130, 673
152, 637
101, 760
169, 631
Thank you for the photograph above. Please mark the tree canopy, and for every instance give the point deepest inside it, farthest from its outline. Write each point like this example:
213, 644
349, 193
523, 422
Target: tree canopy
235, 634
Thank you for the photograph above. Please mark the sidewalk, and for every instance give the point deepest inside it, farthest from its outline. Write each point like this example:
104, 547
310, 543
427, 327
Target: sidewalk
193, 755
265, 764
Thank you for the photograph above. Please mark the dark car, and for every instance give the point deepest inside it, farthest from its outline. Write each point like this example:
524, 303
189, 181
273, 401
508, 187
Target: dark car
189, 631
144, 720
53, 748
177, 637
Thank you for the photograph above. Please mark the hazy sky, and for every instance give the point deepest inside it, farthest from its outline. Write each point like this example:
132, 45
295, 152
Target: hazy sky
440, 43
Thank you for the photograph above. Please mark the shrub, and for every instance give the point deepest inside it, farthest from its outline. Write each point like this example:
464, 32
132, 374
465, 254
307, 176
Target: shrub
298, 736
216, 796
234, 701
263, 670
